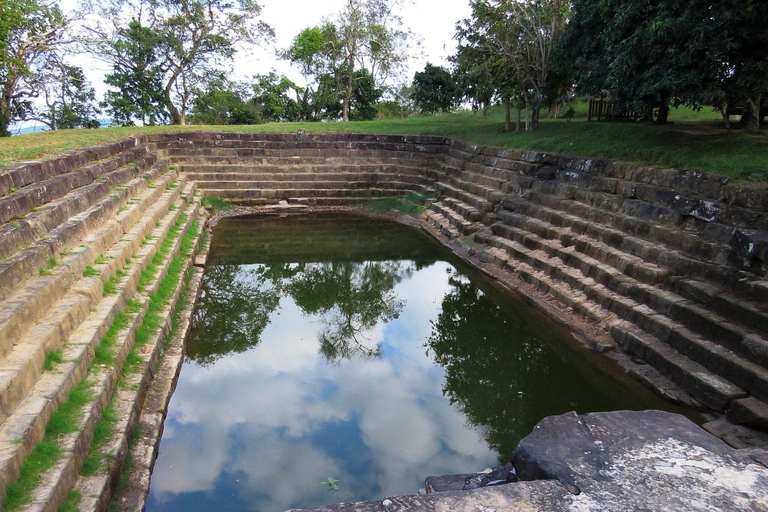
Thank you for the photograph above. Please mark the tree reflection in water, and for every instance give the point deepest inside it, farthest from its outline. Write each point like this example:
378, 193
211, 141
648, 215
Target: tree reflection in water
349, 299
489, 358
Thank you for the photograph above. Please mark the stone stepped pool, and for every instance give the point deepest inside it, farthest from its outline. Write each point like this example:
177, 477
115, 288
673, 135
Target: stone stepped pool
327, 345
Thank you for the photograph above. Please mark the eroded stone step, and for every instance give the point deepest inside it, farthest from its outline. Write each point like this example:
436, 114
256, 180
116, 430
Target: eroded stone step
478, 202
22, 174
493, 195
464, 226
638, 238
538, 234
441, 223
260, 178
26, 264
274, 195
32, 301
21, 202
637, 222
305, 185
17, 235
81, 314
703, 384
20, 440
653, 309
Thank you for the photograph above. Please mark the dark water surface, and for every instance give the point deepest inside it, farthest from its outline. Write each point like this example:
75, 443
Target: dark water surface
359, 349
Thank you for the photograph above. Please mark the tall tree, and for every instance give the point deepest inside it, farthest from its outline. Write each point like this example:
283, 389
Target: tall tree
65, 99
136, 78
434, 89
652, 53
277, 98
191, 37
29, 31
516, 40
366, 34
221, 101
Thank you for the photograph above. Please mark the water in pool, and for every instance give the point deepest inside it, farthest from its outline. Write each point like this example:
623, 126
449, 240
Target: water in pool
358, 349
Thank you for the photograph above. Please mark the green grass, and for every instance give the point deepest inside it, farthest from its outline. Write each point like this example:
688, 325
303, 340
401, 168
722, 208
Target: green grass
52, 358
90, 272
48, 451
49, 266
102, 434
696, 140
410, 204
218, 204
72, 502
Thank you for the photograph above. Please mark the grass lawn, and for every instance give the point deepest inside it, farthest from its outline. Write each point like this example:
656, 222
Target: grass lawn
696, 140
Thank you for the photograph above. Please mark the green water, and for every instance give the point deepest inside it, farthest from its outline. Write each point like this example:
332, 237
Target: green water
359, 349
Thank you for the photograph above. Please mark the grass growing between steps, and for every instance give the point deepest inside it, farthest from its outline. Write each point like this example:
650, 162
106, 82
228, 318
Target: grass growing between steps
218, 204
66, 418
105, 429
697, 140
410, 204
48, 451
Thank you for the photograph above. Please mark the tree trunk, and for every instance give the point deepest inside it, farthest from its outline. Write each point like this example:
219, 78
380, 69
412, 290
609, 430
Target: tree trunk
750, 118
663, 114
722, 108
519, 113
5, 112
507, 115
535, 111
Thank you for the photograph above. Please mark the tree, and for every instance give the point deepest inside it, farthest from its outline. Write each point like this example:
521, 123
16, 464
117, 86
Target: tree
365, 35
515, 41
137, 78
191, 36
65, 98
272, 98
29, 32
650, 54
222, 101
434, 90
364, 96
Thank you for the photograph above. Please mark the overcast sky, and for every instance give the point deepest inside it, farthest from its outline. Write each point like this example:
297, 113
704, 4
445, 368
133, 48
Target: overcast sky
432, 20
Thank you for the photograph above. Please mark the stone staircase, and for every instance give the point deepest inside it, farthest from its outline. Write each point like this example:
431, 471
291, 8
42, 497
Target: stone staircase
97, 246
263, 169
672, 263
88, 243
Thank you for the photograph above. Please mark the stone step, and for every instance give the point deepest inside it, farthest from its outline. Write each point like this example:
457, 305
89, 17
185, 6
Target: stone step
55, 483
32, 300
21, 174
298, 155
491, 182
321, 167
22, 201
132, 412
277, 163
634, 221
704, 385
541, 233
270, 195
21, 432
652, 248
25, 264
19, 234
464, 226
468, 212
71, 318
493, 195
476, 201
642, 303
305, 185
368, 177
441, 223
749, 313
502, 252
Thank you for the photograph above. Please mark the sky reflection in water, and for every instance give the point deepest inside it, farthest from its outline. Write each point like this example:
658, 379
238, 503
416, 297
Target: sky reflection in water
376, 373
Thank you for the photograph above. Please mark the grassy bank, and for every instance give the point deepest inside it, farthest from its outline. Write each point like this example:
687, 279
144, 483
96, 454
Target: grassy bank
695, 141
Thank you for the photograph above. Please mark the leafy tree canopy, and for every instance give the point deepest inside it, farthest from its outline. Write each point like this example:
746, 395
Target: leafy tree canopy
434, 90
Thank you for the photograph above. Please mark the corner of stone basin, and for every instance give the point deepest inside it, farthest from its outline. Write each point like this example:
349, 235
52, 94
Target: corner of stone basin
612, 461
